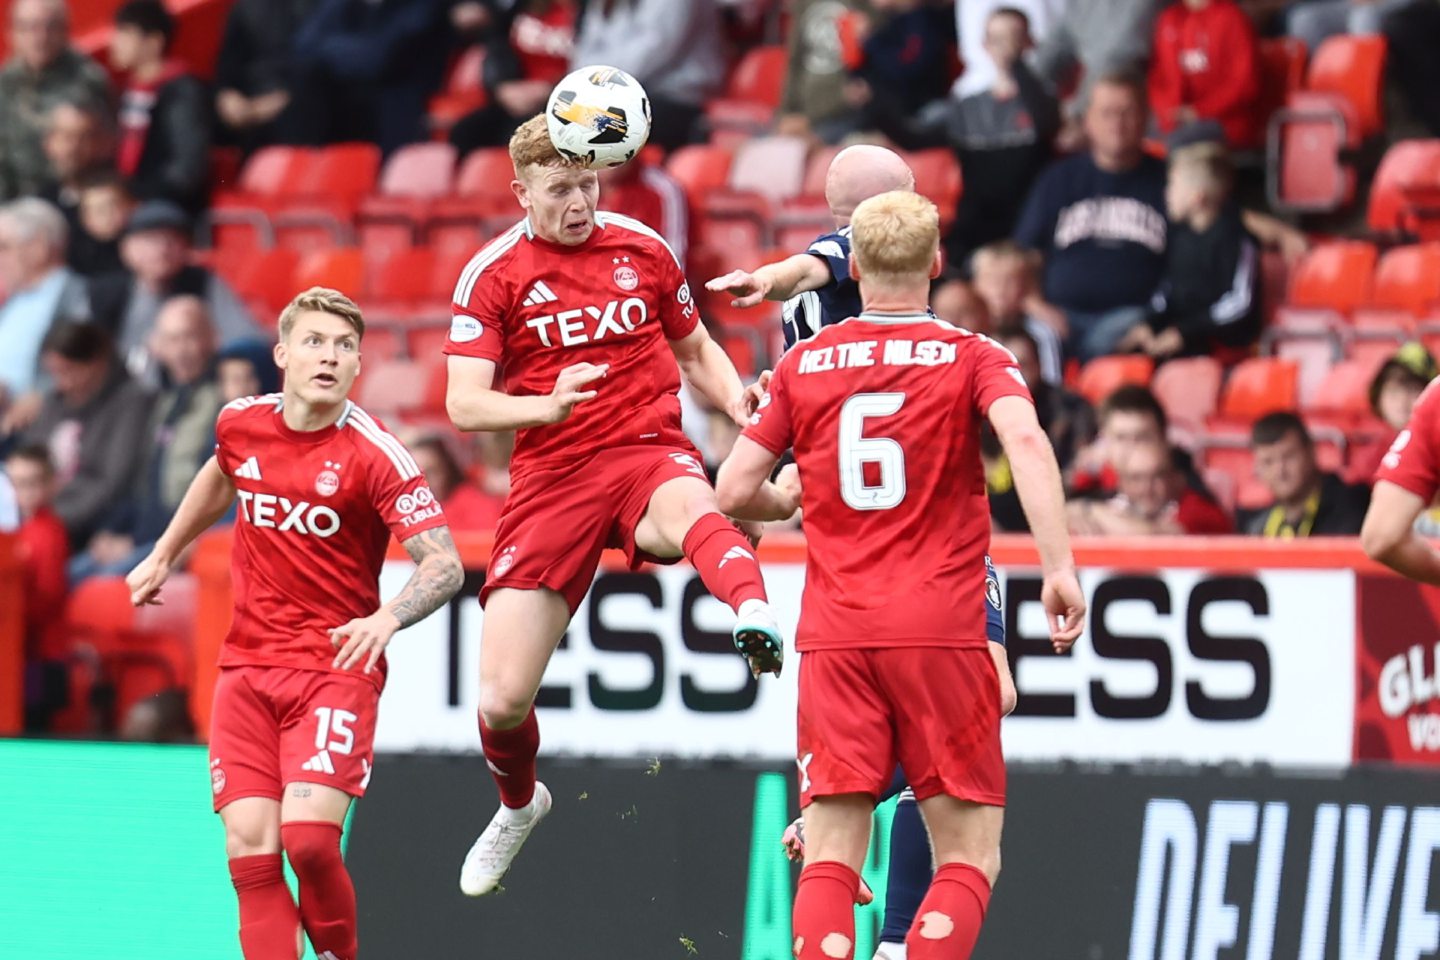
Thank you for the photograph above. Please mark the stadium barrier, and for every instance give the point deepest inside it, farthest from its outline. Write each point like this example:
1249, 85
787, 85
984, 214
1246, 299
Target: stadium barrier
1199, 650
12, 637
674, 859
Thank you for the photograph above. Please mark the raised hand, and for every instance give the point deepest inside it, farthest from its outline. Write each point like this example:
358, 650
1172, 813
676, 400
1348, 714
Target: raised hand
747, 288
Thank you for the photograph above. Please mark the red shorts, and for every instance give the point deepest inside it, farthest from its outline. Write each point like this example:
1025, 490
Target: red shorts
934, 710
556, 522
276, 725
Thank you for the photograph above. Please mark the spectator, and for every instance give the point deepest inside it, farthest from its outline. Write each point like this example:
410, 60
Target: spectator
80, 145
958, 304
364, 70
93, 422
1393, 392
673, 47
971, 18
1308, 502
43, 550
180, 439
1005, 279
246, 369
43, 70
647, 192
813, 102
1315, 21
526, 53
1001, 136
155, 248
1152, 499
1412, 35
1206, 66
253, 73
1067, 418
906, 58
105, 208
162, 718
1210, 294
164, 111
1101, 38
41, 291
1099, 220
467, 507
1129, 417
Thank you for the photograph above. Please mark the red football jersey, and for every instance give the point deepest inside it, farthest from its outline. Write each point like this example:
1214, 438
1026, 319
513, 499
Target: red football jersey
884, 415
535, 307
1413, 461
314, 520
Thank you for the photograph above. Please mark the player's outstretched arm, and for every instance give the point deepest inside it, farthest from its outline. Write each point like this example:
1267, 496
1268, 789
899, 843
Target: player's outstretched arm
209, 496
1037, 481
780, 280
437, 577
743, 488
707, 367
474, 404
1389, 534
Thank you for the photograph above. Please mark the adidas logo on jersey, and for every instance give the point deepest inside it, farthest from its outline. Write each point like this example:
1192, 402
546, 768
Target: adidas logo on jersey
249, 470
736, 553
320, 763
539, 294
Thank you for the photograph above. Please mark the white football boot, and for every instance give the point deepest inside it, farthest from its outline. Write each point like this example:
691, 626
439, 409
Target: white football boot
491, 855
757, 637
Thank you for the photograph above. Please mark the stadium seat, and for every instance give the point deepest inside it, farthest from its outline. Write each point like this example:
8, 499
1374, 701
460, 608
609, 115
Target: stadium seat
1407, 279
1374, 345
1306, 170
403, 280
1352, 69
482, 187
1259, 386
752, 94
341, 175
1406, 187
701, 169
1104, 375
816, 169
1313, 351
773, 167
1346, 391
1188, 388
341, 269
262, 277
394, 387
382, 343
1333, 276
427, 342
414, 177
937, 176
1282, 72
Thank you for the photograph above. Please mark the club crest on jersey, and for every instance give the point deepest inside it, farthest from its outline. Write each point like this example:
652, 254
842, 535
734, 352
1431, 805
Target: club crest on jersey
626, 277
217, 777
328, 482
505, 561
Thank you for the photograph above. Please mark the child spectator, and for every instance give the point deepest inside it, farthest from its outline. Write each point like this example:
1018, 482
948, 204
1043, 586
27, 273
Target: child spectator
245, 369
1006, 279
467, 507
1393, 392
44, 551
1210, 294
105, 208
1206, 66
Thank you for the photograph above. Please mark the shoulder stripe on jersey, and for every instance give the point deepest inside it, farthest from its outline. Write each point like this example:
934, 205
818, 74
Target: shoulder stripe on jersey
366, 426
488, 254
345, 414
672, 205
245, 403
606, 218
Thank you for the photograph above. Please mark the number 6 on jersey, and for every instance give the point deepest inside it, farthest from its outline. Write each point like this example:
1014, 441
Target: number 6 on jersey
857, 450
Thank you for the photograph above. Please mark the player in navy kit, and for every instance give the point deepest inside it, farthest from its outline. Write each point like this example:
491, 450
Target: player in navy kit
817, 290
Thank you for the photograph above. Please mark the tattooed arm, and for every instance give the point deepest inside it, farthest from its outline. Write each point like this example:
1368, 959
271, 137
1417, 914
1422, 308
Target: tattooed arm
437, 578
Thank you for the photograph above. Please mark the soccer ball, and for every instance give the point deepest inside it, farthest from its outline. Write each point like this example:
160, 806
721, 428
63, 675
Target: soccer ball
598, 117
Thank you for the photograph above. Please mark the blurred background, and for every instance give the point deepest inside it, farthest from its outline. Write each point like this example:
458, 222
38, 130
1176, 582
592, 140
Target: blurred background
1210, 231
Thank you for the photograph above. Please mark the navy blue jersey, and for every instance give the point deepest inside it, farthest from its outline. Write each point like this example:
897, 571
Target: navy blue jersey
804, 314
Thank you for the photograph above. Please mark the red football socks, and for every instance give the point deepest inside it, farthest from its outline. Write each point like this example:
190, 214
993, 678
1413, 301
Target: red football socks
823, 920
948, 921
725, 560
269, 919
327, 897
510, 755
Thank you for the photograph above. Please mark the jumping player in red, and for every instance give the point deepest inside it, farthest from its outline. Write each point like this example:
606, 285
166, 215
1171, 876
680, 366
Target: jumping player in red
588, 314
322, 486
883, 411
1405, 486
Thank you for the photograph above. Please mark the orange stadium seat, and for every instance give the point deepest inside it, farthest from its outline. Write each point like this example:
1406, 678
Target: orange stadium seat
1352, 69
1333, 276
263, 277
700, 168
1188, 388
1312, 350
1104, 375
342, 269
1406, 187
1346, 390
1407, 279
1259, 386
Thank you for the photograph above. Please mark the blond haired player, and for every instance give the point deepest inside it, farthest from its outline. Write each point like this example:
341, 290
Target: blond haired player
884, 412
322, 486
591, 321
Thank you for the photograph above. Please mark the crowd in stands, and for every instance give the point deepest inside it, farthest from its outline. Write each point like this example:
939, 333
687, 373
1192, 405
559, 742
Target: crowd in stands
1100, 165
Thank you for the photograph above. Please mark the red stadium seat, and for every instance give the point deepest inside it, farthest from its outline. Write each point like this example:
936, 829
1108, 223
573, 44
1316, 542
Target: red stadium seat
1333, 276
263, 277
937, 176
1104, 375
1312, 350
1282, 72
816, 169
1407, 279
341, 175
1259, 386
421, 171
1352, 68
342, 269
394, 387
1188, 388
773, 167
1346, 391
753, 92
1406, 187
382, 343
482, 189
1305, 167
701, 169
403, 280
426, 343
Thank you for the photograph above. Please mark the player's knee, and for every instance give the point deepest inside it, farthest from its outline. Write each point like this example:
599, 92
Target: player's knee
502, 709
311, 847
249, 838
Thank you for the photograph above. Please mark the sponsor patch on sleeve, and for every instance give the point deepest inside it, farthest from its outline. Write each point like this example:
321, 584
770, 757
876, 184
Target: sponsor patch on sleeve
463, 329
